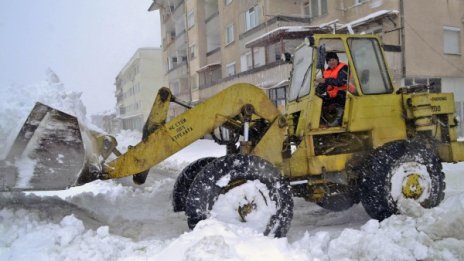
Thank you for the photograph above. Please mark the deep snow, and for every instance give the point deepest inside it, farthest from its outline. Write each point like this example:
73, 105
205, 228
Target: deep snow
107, 220
116, 220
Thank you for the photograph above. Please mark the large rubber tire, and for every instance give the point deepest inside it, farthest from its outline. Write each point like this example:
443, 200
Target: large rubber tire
236, 171
340, 198
184, 180
401, 170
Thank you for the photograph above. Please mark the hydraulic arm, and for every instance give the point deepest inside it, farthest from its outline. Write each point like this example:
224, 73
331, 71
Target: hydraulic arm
162, 140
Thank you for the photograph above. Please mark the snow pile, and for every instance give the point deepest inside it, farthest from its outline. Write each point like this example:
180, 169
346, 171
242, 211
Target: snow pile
30, 234
17, 101
27, 237
127, 138
404, 238
213, 240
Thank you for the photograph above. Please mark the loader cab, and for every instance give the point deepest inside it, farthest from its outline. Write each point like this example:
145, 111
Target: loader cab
366, 75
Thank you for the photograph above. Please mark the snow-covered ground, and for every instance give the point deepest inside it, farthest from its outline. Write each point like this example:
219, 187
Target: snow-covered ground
116, 220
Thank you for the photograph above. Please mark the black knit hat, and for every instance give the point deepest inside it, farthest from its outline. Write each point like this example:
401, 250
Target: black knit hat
331, 55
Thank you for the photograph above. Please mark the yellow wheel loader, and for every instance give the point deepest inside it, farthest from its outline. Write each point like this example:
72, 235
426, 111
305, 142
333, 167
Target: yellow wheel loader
387, 144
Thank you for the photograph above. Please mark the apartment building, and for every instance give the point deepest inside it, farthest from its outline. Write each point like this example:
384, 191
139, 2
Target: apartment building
211, 44
204, 44
107, 121
136, 87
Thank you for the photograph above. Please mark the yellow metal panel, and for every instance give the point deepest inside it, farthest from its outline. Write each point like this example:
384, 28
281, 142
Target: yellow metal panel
328, 163
451, 152
302, 166
444, 151
442, 103
421, 105
298, 163
380, 114
159, 110
457, 149
453, 130
267, 148
315, 116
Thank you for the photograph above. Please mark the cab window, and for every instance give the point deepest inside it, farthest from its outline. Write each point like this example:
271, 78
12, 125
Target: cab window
301, 74
370, 66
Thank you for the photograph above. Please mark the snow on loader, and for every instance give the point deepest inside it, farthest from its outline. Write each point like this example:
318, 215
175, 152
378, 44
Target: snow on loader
389, 145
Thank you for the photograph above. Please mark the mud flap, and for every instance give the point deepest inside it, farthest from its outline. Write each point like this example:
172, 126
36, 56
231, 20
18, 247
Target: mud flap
48, 153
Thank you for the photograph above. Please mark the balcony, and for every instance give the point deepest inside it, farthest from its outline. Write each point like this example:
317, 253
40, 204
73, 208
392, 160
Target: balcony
209, 75
179, 70
265, 76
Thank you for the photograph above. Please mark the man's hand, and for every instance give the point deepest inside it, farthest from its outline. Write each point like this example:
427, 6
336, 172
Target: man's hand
319, 81
321, 89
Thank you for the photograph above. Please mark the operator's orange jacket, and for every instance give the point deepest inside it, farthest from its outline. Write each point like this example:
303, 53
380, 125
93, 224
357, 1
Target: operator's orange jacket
333, 73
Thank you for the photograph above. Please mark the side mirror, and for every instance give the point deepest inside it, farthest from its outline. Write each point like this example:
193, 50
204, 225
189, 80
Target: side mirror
309, 41
364, 77
286, 57
321, 53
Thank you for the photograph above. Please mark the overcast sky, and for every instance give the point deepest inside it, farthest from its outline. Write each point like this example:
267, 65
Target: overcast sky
86, 42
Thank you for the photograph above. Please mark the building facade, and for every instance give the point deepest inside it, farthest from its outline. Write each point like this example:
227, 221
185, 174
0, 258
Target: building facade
136, 87
107, 121
211, 44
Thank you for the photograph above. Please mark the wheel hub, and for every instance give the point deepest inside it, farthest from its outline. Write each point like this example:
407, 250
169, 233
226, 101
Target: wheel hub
247, 205
412, 187
246, 209
411, 180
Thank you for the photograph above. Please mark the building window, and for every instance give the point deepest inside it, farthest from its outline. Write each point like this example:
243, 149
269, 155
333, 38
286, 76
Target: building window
209, 77
134, 123
306, 9
246, 62
190, 19
434, 84
230, 69
249, 61
259, 56
451, 40
251, 18
227, 2
172, 62
279, 97
192, 51
317, 8
229, 34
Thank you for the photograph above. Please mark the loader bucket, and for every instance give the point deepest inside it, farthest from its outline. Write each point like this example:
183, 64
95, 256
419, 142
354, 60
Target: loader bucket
48, 153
